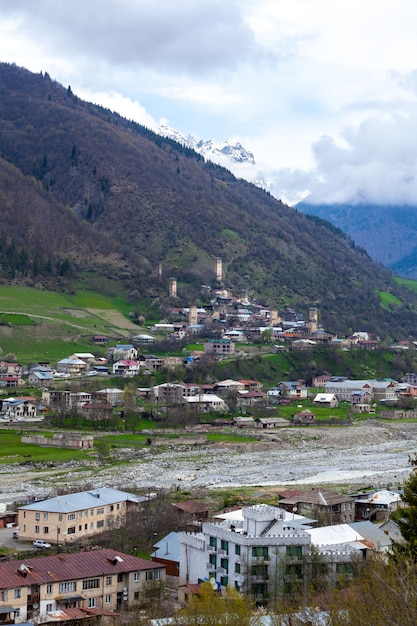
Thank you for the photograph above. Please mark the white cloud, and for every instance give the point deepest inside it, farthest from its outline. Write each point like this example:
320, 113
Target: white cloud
323, 93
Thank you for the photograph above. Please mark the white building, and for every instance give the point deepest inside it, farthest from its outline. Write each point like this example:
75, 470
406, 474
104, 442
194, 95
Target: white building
259, 551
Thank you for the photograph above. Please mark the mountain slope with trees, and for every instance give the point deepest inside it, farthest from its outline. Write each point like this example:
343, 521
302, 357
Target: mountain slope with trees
115, 200
386, 232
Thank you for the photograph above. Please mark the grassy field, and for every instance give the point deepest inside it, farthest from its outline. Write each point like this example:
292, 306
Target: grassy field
36, 324
12, 450
388, 300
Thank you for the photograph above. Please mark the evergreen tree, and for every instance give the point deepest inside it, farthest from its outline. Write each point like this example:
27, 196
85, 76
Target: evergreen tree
407, 518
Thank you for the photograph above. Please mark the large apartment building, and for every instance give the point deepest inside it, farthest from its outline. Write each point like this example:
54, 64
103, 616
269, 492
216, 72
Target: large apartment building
265, 552
74, 587
76, 516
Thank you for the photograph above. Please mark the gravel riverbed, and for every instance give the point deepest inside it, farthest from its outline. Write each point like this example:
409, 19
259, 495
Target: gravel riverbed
366, 454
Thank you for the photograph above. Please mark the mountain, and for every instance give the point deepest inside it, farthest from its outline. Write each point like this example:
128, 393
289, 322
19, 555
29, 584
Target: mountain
225, 151
388, 233
88, 198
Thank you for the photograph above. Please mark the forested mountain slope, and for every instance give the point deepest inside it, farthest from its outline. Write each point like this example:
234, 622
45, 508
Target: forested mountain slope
82, 185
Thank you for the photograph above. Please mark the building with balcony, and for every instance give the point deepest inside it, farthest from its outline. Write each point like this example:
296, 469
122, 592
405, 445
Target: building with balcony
258, 552
73, 587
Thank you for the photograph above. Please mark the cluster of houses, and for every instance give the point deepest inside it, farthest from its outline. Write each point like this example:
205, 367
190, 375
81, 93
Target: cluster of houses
266, 551
216, 397
238, 319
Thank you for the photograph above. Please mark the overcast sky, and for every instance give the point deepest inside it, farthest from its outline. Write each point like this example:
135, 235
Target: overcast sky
323, 92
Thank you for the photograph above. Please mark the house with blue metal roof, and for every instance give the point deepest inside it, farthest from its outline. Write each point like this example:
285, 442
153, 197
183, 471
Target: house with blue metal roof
76, 516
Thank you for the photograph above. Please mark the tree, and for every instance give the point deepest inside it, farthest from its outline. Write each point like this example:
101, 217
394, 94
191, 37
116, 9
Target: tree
381, 594
103, 449
211, 608
407, 518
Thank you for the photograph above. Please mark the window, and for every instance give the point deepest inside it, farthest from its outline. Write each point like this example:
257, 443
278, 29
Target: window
71, 517
224, 581
108, 599
37, 530
45, 530
108, 580
213, 542
3, 595
45, 516
344, 568
80, 513
60, 517
37, 516
260, 551
100, 511
91, 583
49, 588
49, 608
92, 512
296, 551
224, 545
24, 514
100, 523
69, 585
294, 570
80, 528
153, 574
237, 550
91, 603
224, 563
136, 577
237, 568
213, 560
85, 513
91, 525
71, 530
17, 593
119, 578
260, 571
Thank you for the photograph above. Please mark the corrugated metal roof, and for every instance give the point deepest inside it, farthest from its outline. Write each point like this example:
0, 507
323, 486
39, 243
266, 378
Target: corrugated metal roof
83, 500
356, 532
62, 567
168, 548
384, 497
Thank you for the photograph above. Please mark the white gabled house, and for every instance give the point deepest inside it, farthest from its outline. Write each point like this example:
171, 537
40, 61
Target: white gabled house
126, 367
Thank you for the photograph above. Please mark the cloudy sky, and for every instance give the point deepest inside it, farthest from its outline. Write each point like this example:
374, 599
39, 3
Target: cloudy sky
323, 92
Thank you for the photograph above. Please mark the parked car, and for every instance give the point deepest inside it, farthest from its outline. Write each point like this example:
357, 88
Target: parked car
15, 534
40, 543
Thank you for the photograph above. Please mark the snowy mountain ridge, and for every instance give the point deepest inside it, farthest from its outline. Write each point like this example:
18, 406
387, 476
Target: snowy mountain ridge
210, 149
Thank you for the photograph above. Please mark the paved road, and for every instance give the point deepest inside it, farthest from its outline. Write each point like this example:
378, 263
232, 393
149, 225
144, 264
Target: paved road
6, 540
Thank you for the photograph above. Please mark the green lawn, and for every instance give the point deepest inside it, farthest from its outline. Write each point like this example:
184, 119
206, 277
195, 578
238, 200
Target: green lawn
12, 450
36, 324
388, 300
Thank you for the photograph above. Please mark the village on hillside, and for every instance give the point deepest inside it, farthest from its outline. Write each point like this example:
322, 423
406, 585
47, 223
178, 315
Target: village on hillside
79, 557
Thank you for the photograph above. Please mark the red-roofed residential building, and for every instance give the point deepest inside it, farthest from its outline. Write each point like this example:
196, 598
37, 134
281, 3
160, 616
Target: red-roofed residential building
70, 586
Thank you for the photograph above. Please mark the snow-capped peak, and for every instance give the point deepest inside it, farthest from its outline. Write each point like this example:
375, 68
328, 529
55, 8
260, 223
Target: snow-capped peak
213, 150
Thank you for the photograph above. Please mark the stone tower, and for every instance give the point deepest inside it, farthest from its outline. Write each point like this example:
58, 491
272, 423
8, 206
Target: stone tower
219, 270
192, 316
172, 287
274, 319
313, 317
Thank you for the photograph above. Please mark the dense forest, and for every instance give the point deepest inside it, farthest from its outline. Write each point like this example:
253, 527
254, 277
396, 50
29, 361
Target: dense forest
87, 197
